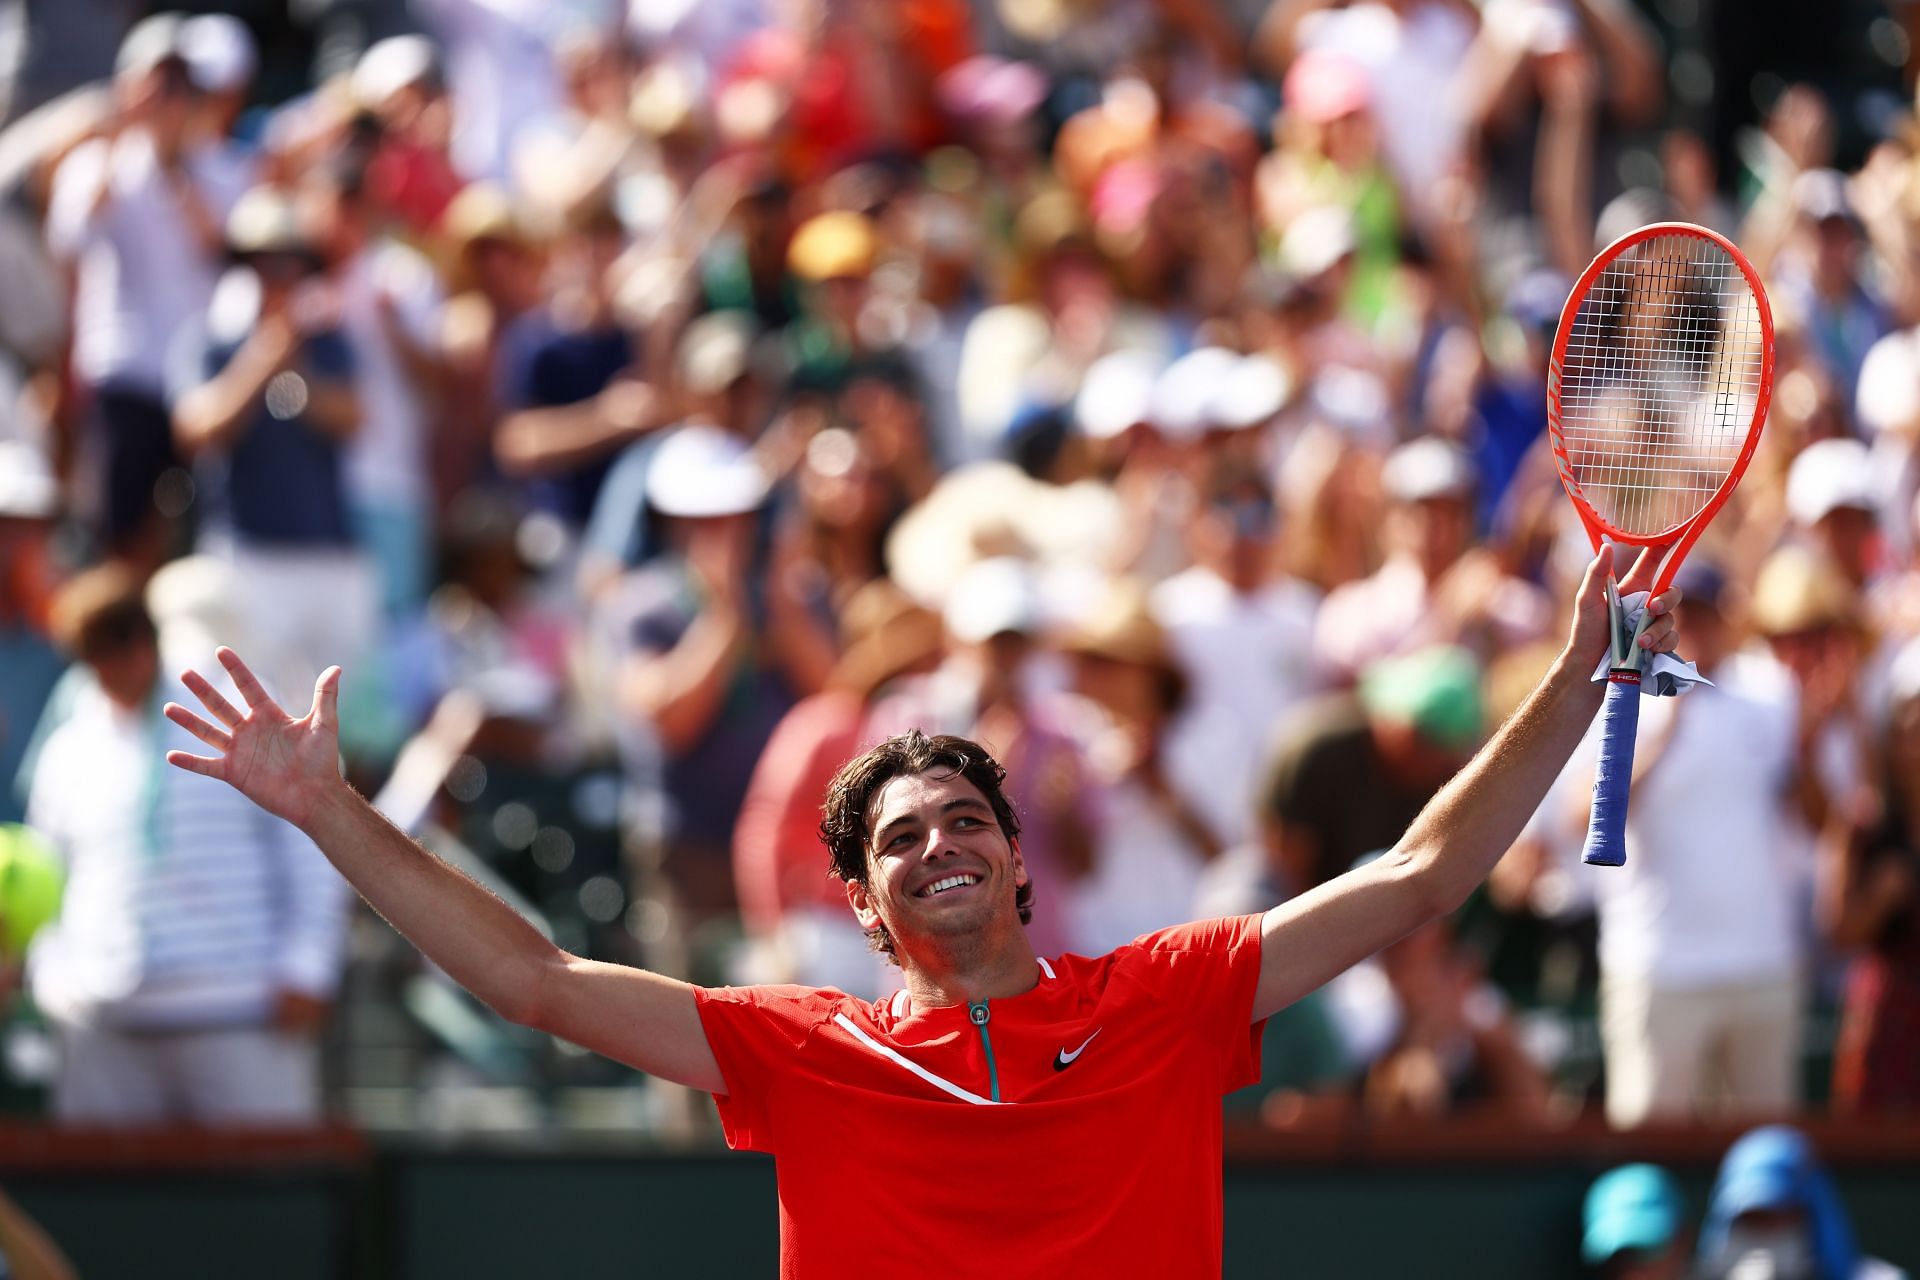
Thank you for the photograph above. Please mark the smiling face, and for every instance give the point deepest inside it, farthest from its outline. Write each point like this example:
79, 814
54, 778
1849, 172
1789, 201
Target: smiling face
939, 867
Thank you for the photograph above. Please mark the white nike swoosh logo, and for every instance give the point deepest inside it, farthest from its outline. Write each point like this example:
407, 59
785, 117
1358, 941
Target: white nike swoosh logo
1063, 1059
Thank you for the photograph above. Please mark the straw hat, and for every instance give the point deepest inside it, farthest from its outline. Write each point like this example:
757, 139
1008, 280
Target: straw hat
887, 635
1122, 628
1798, 589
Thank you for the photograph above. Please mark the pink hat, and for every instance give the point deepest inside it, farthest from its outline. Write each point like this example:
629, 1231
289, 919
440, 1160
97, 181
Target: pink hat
993, 90
1323, 85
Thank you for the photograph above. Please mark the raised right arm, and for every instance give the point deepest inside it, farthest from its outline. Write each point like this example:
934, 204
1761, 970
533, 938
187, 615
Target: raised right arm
289, 767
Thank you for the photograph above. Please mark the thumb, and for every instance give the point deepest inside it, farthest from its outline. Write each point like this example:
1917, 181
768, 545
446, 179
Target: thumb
1593, 587
326, 700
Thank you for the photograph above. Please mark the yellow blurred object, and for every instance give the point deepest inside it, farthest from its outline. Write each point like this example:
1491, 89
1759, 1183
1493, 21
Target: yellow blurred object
1798, 590
31, 881
834, 246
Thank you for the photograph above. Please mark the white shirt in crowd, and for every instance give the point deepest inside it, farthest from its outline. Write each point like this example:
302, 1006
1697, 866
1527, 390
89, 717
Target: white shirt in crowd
1710, 892
1145, 875
386, 462
1249, 661
142, 276
186, 907
500, 72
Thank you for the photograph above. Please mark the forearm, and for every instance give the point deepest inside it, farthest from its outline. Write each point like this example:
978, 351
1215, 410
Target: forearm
540, 441
209, 415
680, 691
1630, 53
1563, 164
334, 407
479, 940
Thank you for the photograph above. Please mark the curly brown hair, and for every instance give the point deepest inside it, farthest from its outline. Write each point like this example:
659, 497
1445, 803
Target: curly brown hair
844, 827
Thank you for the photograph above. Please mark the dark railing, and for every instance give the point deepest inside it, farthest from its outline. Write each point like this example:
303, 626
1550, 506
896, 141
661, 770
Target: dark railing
1468, 1197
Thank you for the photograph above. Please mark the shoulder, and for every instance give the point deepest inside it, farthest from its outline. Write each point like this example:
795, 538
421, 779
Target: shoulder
84, 167
1202, 937
1188, 596
787, 1011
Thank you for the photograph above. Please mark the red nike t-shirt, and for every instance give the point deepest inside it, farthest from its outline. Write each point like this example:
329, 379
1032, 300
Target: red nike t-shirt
1102, 1157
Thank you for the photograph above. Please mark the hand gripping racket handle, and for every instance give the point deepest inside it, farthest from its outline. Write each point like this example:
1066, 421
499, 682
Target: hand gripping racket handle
1619, 721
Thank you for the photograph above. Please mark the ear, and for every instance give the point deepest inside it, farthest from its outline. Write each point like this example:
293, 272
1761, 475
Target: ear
1019, 863
862, 903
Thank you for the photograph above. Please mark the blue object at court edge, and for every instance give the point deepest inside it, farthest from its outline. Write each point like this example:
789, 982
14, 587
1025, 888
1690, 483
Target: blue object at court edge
1636, 1206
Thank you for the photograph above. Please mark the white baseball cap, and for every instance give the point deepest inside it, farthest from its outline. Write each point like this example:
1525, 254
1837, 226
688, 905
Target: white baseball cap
1888, 394
1183, 395
390, 65
220, 52
701, 471
1116, 393
1249, 393
28, 490
148, 43
1827, 476
1314, 241
1429, 467
992, 597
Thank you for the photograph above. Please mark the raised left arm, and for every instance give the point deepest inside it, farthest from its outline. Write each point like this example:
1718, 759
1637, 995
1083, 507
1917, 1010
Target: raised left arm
1464, 829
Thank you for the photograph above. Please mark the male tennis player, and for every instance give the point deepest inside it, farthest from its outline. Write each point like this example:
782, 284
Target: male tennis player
1005, 1114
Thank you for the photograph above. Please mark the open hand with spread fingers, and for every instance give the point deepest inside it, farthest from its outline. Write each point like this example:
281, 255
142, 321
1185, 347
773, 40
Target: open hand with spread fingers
284, 765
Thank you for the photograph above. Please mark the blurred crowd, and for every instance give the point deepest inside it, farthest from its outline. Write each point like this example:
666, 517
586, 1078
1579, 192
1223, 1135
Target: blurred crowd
650, 406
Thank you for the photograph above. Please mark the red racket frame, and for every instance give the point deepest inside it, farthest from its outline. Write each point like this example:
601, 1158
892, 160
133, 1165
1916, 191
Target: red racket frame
1680, 538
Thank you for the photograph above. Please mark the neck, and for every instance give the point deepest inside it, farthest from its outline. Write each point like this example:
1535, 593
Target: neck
970, 969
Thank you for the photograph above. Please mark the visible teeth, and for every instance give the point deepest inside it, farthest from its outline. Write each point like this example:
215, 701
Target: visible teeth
951, 882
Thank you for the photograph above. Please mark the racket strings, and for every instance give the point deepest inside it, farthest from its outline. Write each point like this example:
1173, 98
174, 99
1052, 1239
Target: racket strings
1658, 383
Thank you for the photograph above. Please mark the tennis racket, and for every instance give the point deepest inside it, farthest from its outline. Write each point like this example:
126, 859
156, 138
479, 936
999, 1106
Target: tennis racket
1661, 372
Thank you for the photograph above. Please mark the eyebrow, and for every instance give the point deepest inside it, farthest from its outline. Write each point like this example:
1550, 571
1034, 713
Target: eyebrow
960, 802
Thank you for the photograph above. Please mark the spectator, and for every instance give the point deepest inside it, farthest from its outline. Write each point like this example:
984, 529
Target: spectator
1351, 770
1152, 842
1242, 631
200, 942
1831, 496
1827, 276
493, 279
833, 256
265, 406
699, 677
716, 385
137, 215
29, 500
221, 59
401, 137
570, 386
1775, 1212
1870, 906
1454, 1046
1701, 952
1634, 1226
389, 303
1436, 587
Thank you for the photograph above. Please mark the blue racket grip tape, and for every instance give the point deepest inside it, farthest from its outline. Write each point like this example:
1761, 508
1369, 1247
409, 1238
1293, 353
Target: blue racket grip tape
1619, 721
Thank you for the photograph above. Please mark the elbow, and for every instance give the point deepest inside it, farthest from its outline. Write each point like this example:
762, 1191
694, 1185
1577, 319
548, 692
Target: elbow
523, 1000
1432, 886
193, 426
516, 448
